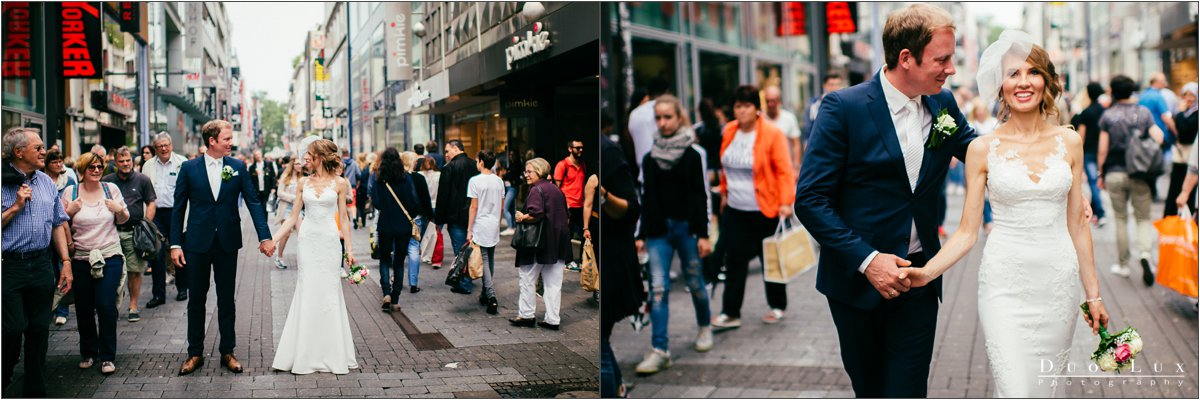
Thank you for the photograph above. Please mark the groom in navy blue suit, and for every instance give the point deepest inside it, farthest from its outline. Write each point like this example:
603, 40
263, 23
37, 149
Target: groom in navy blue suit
868, 193
208, 189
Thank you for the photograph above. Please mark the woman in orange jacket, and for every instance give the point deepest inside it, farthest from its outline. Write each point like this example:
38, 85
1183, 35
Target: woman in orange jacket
757, 188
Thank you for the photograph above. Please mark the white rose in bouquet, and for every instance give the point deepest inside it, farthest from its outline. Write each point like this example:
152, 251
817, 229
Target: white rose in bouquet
1107, 362
1135, 344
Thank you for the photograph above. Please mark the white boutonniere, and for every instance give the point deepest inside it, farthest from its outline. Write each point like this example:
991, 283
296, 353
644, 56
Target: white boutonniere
228, 173
943, 128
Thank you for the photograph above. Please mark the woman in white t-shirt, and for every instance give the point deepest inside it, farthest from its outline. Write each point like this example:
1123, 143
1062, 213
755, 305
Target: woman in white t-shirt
486, 192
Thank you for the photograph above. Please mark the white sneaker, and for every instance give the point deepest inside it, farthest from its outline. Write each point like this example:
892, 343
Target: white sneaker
60, 321
1120, 271
508, 232
725, 322
655, 361
704, 340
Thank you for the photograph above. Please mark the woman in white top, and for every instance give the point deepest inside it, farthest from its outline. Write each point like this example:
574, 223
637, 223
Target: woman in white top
486, 192
431, 241
287, 198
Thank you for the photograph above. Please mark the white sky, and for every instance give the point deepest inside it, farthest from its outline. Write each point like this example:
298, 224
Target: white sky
267, 37
1008, 15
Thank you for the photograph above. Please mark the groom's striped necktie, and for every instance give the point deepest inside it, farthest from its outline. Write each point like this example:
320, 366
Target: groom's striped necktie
913, 151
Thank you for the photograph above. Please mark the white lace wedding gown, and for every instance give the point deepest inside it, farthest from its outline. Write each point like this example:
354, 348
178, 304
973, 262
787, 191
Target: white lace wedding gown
1029, 289
316, 336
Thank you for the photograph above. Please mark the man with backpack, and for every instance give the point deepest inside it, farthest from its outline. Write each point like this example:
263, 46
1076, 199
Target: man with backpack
1130, 160
138, 192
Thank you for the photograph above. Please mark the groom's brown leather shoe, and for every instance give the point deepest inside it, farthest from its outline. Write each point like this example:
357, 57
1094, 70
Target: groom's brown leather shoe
191, 364
231, 363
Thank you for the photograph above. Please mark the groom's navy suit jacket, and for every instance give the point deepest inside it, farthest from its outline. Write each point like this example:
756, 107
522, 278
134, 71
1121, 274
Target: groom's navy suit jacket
211, 219
853, 195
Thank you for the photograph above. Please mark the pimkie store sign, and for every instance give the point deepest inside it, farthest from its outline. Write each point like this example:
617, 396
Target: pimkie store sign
18, 39
81, 38
535, 42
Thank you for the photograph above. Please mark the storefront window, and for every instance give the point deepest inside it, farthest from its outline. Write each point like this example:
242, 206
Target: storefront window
717, 21
654, 14
479, 127
654, 60
718, 78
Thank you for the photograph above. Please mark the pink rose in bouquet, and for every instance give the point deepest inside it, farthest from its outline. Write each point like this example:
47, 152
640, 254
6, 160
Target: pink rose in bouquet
1122, 353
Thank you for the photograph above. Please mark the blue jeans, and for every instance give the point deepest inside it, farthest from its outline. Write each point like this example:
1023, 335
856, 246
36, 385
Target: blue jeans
489, 272
1089, 166
510, 203
458, 238
414, 253
62, 311
96, 299
610, 372
987, 210
957, 174
661, 250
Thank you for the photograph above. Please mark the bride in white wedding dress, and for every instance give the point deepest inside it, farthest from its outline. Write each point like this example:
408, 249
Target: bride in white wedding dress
1039, 253
317, 336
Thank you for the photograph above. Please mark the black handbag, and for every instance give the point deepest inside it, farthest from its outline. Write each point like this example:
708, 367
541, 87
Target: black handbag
528, 236
459, 269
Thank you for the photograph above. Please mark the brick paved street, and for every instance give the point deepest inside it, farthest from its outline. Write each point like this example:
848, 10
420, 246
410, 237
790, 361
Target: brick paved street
442, 345
800, 357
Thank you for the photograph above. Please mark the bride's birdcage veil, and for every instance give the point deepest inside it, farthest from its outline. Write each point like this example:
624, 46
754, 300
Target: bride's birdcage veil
1013, 46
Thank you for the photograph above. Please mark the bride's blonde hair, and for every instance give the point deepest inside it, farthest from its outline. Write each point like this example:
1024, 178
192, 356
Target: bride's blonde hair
325, 153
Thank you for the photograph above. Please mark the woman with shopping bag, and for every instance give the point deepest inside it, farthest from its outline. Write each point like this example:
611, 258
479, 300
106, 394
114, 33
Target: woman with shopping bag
757, 188
674, 221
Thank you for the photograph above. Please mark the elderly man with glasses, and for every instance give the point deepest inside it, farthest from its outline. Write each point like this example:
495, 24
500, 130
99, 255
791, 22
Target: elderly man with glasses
34, 223
163, 171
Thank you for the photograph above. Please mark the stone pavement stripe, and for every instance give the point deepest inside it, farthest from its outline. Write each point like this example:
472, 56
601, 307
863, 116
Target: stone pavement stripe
489, 354
806, 338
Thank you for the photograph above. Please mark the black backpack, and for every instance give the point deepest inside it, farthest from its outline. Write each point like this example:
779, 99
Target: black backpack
1143, 156
147, 240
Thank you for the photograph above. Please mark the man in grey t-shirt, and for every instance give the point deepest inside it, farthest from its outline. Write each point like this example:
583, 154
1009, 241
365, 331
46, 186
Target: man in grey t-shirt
138, 191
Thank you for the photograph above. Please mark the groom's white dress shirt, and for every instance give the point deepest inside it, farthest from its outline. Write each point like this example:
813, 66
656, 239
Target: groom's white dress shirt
213, 167
912, 122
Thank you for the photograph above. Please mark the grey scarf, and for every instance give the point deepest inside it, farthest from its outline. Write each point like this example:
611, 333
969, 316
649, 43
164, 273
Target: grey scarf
668, 150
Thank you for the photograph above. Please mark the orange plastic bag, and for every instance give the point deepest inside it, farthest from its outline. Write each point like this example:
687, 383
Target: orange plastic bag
1177, 258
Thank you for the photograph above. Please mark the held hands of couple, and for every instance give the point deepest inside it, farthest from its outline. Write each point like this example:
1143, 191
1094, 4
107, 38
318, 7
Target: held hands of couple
267, 247
887, 277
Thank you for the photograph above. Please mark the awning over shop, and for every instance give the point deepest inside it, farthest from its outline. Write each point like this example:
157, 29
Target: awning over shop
183, 103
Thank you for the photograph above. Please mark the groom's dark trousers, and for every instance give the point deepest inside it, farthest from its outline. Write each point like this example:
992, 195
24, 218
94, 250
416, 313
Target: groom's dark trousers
886, 350
221, 265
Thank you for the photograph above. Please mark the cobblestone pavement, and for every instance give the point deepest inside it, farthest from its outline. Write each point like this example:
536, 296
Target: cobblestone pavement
800, 357
442, 345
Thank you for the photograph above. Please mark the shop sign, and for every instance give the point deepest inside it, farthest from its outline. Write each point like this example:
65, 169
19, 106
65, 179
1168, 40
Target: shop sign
841, 17
418, 96
111, 102
519, 105
399, 67
790, 19
130, 15
535, 42
81, 40
18, 53
194, 35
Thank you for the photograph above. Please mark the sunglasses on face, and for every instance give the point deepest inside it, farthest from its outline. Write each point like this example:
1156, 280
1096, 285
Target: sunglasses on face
39, 147
95, 167
577, 147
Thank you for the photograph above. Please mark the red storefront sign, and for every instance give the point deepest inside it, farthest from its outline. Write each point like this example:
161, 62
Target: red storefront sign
790, 19
81, 40
18, 53
841, 17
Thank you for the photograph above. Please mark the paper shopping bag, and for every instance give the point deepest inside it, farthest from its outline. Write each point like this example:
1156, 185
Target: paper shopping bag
1177, 258
787, 253
475, 263
589, 277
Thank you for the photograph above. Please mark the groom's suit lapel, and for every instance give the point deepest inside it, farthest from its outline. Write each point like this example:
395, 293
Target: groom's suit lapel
933, 108
878, 106
224, 182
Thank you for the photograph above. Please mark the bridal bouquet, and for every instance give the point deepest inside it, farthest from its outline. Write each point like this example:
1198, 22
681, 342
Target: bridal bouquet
358, 272
1116, 352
